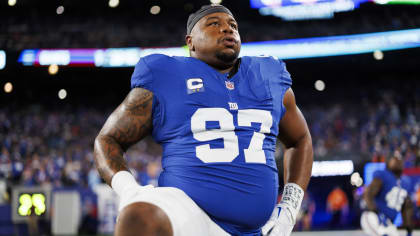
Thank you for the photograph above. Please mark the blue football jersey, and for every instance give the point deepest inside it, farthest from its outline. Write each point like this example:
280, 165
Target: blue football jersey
392, 195
218, 134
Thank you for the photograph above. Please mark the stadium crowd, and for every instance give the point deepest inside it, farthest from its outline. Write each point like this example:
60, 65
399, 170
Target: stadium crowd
90, 28
40, 146
382, 128
55, 147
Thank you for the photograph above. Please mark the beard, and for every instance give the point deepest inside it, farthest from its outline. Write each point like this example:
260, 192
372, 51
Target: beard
227, 57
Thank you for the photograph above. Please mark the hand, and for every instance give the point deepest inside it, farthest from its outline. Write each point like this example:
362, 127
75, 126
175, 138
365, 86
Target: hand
284, 215
280, 223
130, 195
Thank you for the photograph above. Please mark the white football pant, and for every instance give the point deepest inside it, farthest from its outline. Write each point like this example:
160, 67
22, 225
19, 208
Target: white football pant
371, 225
186, 217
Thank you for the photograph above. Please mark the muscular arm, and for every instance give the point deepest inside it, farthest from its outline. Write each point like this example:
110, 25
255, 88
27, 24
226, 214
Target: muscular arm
407, 214
371, 191
129, 123
294, 134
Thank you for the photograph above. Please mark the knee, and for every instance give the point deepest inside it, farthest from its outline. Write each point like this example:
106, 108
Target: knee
143, 219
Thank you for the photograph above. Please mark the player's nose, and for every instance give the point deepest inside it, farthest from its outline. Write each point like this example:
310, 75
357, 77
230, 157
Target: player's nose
226, 28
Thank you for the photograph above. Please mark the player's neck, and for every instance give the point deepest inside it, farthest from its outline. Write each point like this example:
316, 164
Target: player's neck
221, 67
225, 70
216, 64
232, 69
397, 173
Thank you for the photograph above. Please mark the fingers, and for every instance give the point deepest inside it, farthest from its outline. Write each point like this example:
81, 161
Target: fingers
281, 230
266, 229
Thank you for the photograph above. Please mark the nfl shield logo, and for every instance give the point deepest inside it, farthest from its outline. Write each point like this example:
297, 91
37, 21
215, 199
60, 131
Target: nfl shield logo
230, 85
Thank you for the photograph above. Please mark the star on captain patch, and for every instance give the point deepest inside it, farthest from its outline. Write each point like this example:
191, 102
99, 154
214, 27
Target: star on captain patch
194, 85
230, 85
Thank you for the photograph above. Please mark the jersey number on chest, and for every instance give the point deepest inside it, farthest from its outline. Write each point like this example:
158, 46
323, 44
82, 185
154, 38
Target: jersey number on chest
395, 198
253, 154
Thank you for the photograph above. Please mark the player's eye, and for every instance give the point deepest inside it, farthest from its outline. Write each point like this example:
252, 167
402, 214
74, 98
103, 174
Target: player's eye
213, 23
234, 26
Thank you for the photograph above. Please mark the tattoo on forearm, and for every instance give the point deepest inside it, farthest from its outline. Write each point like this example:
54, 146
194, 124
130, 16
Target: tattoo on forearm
109, 158
128, 124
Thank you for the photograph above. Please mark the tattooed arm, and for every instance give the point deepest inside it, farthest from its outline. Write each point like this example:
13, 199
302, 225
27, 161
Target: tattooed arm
128, 124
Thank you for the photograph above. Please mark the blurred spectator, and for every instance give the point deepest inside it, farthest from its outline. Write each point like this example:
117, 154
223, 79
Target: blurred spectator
150, 174
307, 209
338, 206
55, 147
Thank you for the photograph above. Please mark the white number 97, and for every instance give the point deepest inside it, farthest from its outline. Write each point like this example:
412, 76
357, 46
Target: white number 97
253, 154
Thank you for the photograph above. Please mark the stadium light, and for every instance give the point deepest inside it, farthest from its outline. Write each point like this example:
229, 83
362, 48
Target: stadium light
408, 2
283, 49
62, 94
155, 10
270, 3
11, 3
113, 3
335, 45
356, 179
60, 10
49, 57
332, 168
8, 87
319, 85
216, 1
53, 69
2, 59
378, 55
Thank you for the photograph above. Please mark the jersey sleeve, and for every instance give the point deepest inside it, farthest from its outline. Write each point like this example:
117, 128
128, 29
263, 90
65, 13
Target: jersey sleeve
379, 174
285, 77
406, 183
142, 76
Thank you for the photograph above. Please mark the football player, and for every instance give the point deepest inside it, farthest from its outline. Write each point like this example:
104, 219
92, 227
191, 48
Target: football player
217, 118
385, 197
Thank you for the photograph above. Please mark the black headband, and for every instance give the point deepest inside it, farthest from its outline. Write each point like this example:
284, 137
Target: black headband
204, 11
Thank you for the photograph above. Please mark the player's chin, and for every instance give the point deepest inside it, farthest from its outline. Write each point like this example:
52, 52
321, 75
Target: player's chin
227, 54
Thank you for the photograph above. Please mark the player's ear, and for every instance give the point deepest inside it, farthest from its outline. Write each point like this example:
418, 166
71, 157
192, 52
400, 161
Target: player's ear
188, 40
